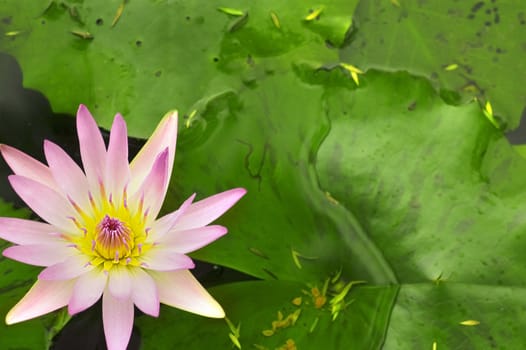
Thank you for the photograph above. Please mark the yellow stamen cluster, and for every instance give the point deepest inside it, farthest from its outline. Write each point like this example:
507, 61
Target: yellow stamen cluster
111, 234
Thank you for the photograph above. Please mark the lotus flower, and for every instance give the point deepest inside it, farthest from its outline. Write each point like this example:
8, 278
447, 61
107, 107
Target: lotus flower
102, 236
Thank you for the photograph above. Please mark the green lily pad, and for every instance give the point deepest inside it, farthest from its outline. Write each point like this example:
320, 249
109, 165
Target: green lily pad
457, 316
120, 59
474, 48
253, 306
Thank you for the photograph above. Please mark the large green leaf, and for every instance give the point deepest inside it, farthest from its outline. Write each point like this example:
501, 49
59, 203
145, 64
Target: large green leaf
475, 48
385, 181
175, 54
255, 305
271, 153
426, 313
440, 191
436, 187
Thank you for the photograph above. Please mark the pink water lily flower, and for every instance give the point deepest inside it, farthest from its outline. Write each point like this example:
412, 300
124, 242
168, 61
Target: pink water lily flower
102, 236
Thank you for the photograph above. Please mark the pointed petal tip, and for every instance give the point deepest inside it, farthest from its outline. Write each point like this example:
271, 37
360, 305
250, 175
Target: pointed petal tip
240, 191
220, 313
7, 151
9, 319
171, 114
43, 298
211, 308
118, 119
82, 108
209, 209
83, 115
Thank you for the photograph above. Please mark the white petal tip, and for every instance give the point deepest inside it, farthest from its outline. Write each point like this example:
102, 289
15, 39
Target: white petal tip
171, 114
216, 311
9, 320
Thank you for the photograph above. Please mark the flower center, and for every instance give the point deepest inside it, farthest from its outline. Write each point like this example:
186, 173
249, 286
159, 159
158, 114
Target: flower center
113, 238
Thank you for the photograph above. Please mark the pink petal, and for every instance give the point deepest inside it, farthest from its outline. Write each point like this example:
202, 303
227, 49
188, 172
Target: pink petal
180, 289
43, 297
189, 240
67, 174
120, 283
72, 267
88, 289
117, 317
45, 202
153, 188
20, 231
207, 210
92, 148
164, 136
40, 255
144, 292
164, 224
26, 166
117, 169
165, 260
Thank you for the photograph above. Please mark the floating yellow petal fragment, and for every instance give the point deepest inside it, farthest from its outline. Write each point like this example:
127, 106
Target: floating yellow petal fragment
470, 323
235, 333
293, 317
331, 199
318, 298
354, 71
190, 118
314, 14
289, 345
488, 108
83, 35
354, 77
434, 345
295, 258
314, 324
325, 287
335, 310
234, 340
351, 68
470, 88
337, 276
282, 322
118, 14
13, 33
488, 112
340, 296
275, 20
235, 330
238, 23
451, 67
231, 11
297, 301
